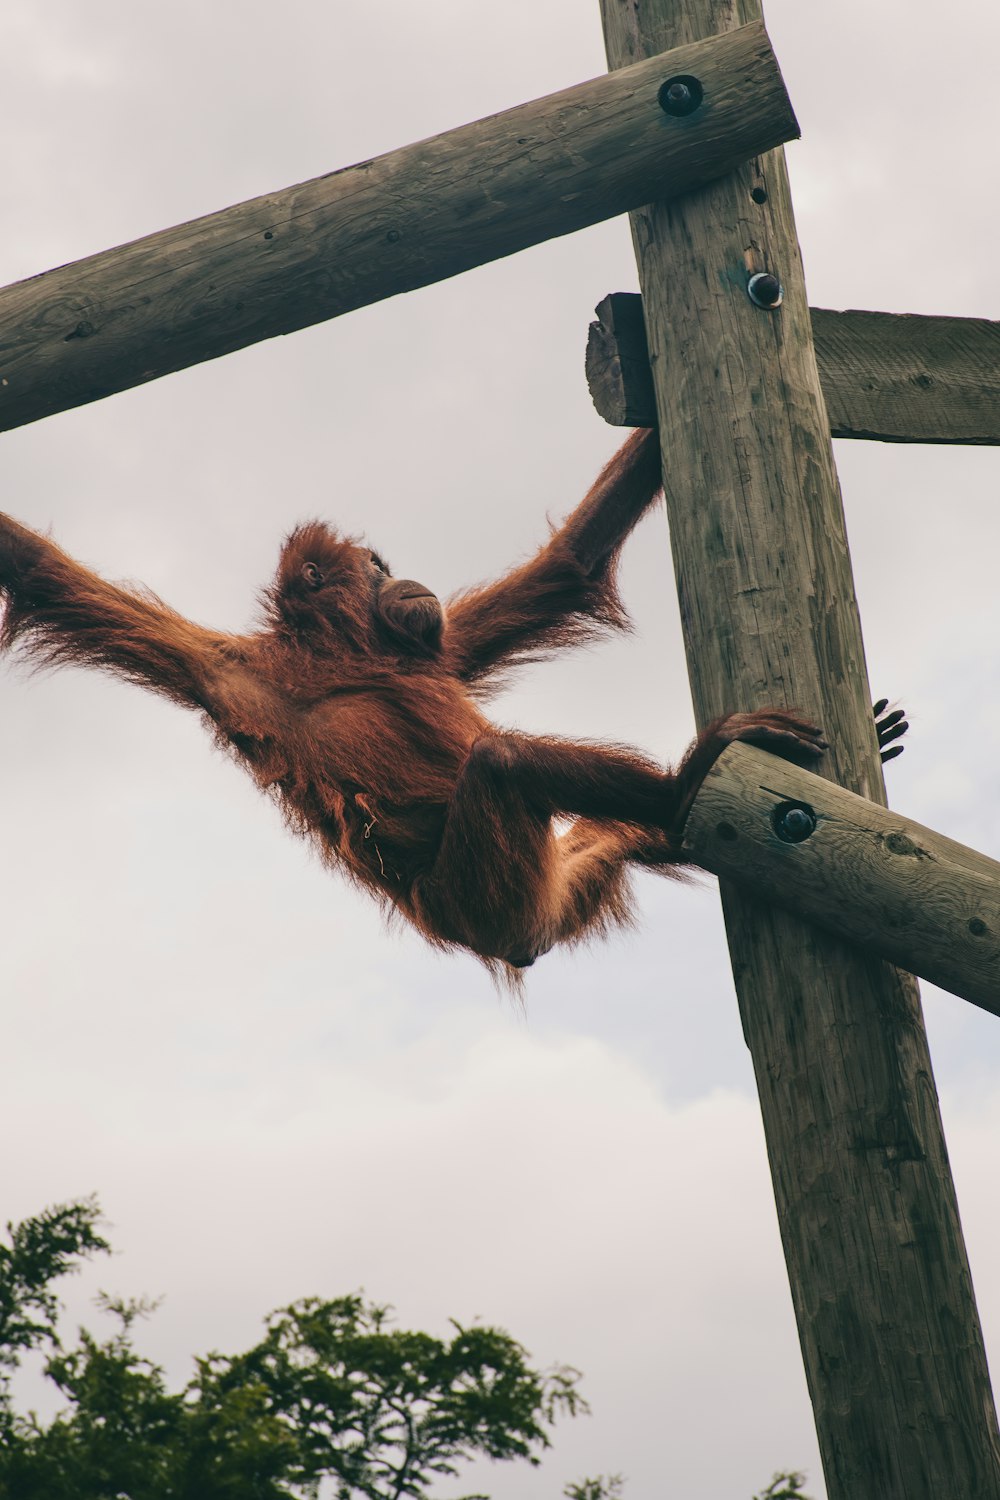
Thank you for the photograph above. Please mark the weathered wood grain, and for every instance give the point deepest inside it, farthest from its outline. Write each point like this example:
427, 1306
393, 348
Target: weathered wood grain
414, 216
880, 1281
619, 376
869, 875
894, 377
906, 378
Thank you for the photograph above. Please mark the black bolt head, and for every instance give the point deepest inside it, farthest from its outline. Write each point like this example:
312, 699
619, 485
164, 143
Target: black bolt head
765, 290
681, 95
793, 822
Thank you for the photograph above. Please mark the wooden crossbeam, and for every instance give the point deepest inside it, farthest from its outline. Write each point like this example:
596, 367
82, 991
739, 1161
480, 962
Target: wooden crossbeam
414, 216
894, 377
883, 882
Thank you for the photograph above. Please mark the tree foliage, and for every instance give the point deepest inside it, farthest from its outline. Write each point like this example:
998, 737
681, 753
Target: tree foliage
785, 1486
602, 1487
334, 1400
332, 1395
39, 1251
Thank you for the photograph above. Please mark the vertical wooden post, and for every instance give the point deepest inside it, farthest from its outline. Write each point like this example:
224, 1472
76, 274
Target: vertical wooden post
887, 1320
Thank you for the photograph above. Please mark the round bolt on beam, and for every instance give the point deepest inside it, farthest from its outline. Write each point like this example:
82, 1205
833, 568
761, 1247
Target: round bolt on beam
681, 95
793, 822
765, 290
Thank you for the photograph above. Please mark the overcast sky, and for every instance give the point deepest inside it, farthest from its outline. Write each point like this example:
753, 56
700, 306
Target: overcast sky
272, 1095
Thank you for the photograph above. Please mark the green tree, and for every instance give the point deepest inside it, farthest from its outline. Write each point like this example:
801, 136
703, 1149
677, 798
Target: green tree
612, 1487
603, 1487
784, 1487
385, 1411
333, 1392
332, 1395
39, 1252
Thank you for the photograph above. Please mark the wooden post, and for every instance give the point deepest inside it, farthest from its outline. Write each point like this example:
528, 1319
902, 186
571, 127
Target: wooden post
406, 219
880, 1282
912, 896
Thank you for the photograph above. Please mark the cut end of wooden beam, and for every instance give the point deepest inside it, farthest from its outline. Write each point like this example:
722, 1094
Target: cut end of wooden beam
617, 363
884, 883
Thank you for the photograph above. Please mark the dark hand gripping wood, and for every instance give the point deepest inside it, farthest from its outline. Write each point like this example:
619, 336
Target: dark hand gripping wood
880, 1281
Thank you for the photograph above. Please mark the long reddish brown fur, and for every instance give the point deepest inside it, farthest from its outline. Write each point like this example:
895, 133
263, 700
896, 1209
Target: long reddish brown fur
357, 708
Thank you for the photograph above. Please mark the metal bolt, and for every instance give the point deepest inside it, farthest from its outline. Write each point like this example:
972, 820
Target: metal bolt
680, 96
793, 822
765, 290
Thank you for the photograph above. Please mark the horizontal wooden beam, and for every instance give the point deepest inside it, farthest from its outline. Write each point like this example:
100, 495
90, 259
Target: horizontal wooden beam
895, 377
414, 216
912, 896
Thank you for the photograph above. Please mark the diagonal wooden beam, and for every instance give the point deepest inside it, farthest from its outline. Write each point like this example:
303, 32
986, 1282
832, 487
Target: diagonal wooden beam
894, 377
882, 881
414, 216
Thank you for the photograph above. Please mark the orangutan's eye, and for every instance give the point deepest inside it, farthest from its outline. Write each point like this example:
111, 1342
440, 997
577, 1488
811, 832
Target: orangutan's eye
312, 575
382, 566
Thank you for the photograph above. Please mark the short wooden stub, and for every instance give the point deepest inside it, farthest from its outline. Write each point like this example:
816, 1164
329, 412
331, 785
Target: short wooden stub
403, 220
920, 900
